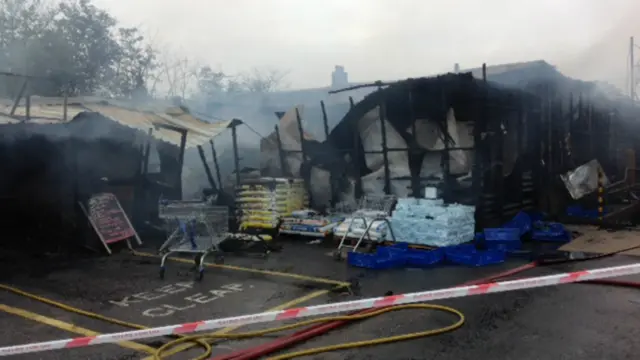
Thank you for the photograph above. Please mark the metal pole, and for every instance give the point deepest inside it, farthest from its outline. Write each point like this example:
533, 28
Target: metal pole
16, 101
183, 146
214, 154
445, 158
632, 68
600, 194
65, 106
355, 156
413, 147
385, 154
207, 170
28, 107
521, 149
477, 172
236, 157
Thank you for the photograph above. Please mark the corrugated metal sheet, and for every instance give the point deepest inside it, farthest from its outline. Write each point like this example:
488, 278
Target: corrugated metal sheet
140, 117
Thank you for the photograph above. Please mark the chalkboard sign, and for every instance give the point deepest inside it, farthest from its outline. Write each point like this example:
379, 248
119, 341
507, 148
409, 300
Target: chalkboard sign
109, 219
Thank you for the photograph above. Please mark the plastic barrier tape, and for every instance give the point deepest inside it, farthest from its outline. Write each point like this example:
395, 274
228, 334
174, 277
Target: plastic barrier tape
460, 291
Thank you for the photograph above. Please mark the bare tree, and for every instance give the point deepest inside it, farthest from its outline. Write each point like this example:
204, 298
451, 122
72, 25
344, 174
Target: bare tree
263, 80
178, 74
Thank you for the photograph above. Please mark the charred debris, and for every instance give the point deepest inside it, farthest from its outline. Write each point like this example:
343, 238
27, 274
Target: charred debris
489, 138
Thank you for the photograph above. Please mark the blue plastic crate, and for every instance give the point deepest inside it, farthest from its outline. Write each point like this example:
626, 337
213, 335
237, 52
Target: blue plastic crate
522, 221
424, 258
580, 212
467, 254
386, 257
502, 234
506, 246
552, 232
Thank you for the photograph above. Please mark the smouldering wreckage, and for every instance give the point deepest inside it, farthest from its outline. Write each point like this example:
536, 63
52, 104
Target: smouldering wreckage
373, 149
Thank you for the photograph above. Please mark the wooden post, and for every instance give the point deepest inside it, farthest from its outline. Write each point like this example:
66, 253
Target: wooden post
355, 156
601, 204
183, 145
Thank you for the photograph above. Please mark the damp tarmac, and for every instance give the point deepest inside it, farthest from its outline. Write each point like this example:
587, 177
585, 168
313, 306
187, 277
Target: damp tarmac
574, 321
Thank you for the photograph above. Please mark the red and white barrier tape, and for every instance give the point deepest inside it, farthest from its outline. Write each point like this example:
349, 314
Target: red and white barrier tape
296, 313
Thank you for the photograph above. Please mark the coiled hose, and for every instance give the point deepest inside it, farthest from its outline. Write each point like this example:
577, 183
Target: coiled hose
203, 340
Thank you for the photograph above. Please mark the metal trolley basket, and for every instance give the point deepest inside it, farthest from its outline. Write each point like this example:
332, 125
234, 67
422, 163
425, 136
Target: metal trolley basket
193, 227
382, 203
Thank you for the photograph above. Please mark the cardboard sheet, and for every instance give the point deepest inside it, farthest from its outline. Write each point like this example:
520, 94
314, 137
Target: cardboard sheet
597, 241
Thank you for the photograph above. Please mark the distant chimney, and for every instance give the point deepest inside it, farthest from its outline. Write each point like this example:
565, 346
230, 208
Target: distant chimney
456, 68
339, 78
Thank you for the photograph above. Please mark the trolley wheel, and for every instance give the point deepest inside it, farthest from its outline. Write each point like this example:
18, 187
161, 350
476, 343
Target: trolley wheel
199, 275
337, 255
162, 273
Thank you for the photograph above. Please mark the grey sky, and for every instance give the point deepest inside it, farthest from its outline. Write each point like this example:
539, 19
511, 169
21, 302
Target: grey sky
388, 39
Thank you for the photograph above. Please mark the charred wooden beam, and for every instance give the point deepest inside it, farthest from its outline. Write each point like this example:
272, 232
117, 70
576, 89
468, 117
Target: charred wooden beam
332, 182
303, 149
284, 168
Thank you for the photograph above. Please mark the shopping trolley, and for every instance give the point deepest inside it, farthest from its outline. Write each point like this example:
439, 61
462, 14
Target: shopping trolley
193, 227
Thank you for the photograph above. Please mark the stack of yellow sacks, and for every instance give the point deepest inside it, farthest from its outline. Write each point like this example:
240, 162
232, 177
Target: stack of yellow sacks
261, 203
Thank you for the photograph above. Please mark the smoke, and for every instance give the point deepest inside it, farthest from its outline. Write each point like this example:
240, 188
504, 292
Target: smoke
606, 56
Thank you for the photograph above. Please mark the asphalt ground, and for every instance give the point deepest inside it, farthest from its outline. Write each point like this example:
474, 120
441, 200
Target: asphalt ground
574, 321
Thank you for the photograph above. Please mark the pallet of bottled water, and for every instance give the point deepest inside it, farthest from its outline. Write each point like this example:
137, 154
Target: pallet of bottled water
431, 222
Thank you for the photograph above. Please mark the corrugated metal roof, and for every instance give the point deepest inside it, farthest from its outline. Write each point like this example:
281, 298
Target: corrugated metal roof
140, 116
503, 68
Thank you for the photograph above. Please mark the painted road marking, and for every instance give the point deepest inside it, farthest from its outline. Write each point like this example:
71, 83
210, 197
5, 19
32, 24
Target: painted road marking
292, 303
70, 327
187, 302
256, 271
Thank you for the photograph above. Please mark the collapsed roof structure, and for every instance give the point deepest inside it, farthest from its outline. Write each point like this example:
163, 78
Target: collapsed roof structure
492, 136
58, 151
